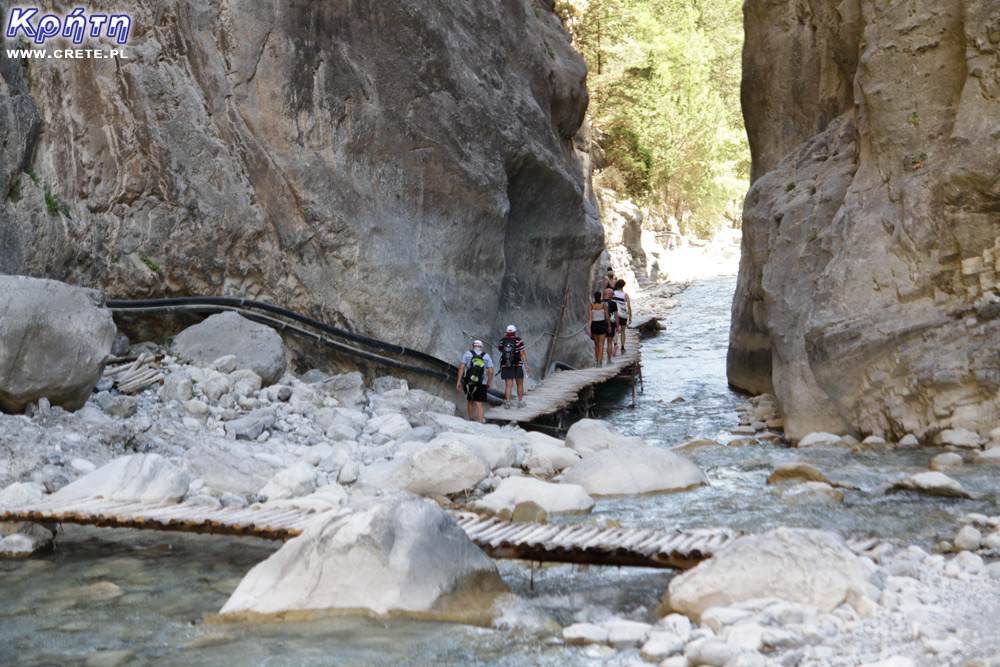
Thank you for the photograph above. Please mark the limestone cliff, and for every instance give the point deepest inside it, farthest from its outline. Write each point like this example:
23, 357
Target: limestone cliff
868, 296
405, 170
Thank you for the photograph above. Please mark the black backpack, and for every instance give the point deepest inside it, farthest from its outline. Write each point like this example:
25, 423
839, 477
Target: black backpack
476, 372
508, 352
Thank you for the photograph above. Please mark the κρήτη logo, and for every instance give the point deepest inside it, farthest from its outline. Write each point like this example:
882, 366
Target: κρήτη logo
74, 25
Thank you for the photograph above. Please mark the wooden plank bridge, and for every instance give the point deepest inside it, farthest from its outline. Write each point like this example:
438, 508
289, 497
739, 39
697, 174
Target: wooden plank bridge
564, 543
561, 389
560, 543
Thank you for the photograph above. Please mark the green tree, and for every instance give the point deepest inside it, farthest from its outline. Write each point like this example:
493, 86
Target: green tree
664, 77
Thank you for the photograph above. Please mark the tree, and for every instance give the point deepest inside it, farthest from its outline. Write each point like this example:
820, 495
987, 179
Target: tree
664, 81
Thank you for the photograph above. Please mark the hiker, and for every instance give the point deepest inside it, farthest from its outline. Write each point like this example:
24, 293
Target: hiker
475, 374
513, 365
609, 279
624, 308
609, 299
597, 319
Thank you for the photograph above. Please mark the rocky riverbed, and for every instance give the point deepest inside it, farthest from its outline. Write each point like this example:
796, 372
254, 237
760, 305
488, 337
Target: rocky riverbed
214, 434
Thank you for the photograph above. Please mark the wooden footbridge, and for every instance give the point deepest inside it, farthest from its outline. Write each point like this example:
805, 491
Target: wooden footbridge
561, 389
563, 543
560, 543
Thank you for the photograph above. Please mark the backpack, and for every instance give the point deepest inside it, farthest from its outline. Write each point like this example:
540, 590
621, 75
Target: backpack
622, 304
476, 372
508, 352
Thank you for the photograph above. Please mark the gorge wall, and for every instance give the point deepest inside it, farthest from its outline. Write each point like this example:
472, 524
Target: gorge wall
868, 296
405, 170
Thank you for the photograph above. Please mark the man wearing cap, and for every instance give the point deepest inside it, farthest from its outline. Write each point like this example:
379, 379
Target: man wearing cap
474, 376
513, 365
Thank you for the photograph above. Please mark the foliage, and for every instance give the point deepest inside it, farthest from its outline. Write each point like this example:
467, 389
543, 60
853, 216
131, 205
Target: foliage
54, 205
153, 266
14, 191
664, 78
31, 175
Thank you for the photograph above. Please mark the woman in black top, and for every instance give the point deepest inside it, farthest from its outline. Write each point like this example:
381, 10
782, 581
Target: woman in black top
597, 320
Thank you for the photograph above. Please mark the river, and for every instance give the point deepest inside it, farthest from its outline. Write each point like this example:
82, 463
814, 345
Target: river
128, 597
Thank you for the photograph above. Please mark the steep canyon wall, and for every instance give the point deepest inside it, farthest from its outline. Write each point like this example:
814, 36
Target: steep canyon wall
868, 296
406, 170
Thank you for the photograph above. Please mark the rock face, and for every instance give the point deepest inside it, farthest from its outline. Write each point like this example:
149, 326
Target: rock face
257, 347
404, 170
395, 554
867, 296
54, 341
794, 564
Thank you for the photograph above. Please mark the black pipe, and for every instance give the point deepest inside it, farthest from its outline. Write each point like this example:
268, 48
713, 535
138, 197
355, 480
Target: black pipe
209, 304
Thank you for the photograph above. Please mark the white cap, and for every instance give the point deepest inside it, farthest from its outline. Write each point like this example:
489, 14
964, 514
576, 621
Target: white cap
511, 328
477, 343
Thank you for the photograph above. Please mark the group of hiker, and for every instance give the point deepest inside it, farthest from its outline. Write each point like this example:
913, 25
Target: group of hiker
607, 317
475, 373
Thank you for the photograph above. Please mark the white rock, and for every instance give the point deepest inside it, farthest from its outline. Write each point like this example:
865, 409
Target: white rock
945, 460
627, 634
959, 437
935, 484
634, 470
225, 364
909, 440
968, 539
992, 541
298, 480
991, 455
498, 452
969, 562
403, 555
585, 633
676, 661
818, 438
196, 407
215, 386
176, 387
20, 493
679, 624
590, 435
82, 465
894, 661
392, 425
147, 478
873, 440
448, 468
255, 346
24, 544
661, 645
713, 652
553, 450
798, 565
553, 498
245, 382
719, 617
812, 493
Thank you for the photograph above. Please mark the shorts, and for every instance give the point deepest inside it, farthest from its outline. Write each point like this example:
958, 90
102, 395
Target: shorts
622, 321
614, 329
598, 328
511, 373
476, 392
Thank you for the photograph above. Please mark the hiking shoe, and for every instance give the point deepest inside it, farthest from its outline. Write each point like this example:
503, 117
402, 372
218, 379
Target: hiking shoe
506, 405
521, 404
623, 348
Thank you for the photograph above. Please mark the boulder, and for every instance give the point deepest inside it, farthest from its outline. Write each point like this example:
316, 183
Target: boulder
812, 493
30, 538
251, 426
348, 389
553, 498
585, 633
257, 347
796, 471
147, 478
958, 437
945, 460
932, 484
794, 564
229, 467
298, 480
632, 470
991, 455
498, 452
968, 539
432, 470
20, 493
552, 450
819, 438
392, 554
590, 435
54, 342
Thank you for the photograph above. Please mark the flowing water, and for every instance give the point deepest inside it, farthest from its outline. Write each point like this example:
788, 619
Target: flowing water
147, 598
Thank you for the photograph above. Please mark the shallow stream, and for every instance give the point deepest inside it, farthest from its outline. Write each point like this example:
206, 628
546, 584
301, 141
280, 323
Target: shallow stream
144, 598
